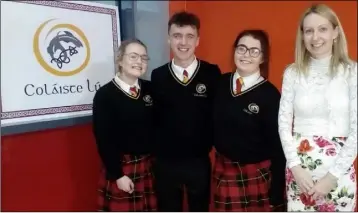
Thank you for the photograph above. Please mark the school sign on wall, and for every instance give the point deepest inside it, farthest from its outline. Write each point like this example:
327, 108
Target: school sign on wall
55, 56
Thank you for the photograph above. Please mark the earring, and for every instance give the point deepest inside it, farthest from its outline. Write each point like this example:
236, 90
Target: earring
335, 40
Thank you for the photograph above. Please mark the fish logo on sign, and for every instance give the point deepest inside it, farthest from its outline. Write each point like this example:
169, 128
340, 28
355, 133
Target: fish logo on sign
56, 45
63, 51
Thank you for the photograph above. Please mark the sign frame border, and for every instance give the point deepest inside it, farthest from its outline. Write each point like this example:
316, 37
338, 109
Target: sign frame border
77, 119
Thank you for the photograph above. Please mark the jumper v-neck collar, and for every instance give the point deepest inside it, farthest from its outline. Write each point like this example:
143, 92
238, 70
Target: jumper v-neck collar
177, 79
245, 91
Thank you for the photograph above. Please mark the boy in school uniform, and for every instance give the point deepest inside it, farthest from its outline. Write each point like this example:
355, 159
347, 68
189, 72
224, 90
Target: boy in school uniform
182, 93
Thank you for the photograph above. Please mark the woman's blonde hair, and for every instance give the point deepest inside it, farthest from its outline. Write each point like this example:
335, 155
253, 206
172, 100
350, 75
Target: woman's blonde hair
122, 49
339, 51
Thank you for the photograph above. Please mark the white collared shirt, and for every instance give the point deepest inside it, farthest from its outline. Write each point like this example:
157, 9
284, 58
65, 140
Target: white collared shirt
249, 81
178, 71
124, 86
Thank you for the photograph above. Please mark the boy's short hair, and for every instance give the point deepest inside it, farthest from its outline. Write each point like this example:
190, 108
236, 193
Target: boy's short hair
184, 18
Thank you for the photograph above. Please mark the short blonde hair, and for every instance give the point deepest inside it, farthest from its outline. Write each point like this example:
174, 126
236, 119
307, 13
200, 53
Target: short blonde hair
122, 49
340, 49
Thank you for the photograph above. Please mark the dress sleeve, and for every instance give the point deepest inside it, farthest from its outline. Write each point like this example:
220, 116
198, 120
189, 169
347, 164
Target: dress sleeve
348, 153
285, 117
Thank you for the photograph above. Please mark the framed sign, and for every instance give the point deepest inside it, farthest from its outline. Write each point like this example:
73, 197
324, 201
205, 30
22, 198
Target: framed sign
55, 56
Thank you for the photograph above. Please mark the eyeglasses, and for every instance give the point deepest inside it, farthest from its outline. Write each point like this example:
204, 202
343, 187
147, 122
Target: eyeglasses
135, 56
242, 49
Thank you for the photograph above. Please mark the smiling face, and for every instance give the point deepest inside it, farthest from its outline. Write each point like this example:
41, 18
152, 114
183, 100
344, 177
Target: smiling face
183, 40
134, 61
318, 35
248, 55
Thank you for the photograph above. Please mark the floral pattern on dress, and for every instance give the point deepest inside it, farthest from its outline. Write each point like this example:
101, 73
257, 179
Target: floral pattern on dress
317, 154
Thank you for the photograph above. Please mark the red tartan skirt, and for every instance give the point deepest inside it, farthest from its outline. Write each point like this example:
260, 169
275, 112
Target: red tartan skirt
138, 169
241, 188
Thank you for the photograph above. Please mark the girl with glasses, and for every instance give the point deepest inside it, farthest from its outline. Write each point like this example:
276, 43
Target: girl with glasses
249, 170
122, 126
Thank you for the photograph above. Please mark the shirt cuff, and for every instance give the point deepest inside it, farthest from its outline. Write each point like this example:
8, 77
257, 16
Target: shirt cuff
335, 172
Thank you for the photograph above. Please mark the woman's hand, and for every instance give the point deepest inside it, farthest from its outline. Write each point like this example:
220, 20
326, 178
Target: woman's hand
125, 184
323, 186
302, 178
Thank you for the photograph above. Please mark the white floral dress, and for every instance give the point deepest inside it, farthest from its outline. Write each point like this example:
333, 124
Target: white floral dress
323, 112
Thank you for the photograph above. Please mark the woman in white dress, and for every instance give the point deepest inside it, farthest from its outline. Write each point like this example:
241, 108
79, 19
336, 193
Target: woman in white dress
318, 117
